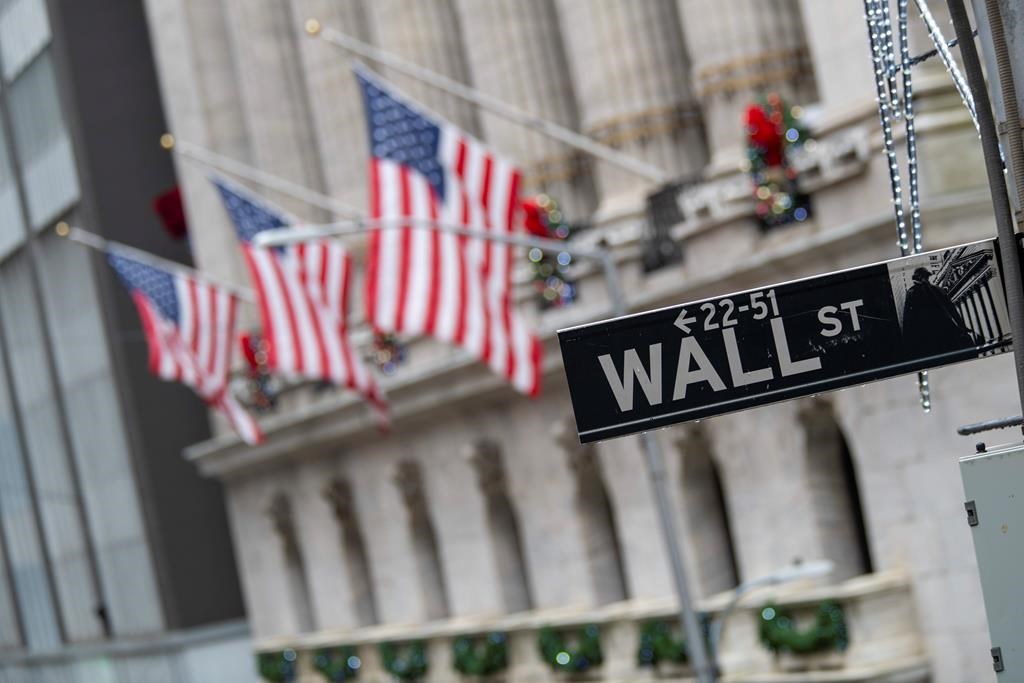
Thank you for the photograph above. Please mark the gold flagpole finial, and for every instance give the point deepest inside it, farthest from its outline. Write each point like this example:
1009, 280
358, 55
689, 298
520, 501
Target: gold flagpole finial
167, 141
62, 229
313, 27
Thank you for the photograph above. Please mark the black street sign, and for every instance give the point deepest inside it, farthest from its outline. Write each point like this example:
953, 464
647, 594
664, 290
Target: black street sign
730, 353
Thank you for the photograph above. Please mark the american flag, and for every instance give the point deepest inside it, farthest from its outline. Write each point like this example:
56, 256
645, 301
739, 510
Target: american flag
424, 281
303, 299
190, 328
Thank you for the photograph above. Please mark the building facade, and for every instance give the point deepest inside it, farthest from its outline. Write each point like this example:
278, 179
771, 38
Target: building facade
479, 512
115, 560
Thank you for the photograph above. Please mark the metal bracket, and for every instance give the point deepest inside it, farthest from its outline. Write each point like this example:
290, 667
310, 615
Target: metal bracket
972, 514
997, 659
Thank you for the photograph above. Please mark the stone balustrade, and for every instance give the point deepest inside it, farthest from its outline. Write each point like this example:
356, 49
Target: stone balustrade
883, 642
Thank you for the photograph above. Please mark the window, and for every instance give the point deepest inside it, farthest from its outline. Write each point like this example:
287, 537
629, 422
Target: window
20, 528
12, 227
24, 32
32, 386
43, 143
85, 378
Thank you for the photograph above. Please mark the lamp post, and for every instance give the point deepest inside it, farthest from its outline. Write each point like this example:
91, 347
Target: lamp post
797, 571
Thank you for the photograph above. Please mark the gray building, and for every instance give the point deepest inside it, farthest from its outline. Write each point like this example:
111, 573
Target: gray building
115, 557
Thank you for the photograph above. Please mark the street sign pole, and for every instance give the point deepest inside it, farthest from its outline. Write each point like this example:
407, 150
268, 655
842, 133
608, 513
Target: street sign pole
997, 185
705, 670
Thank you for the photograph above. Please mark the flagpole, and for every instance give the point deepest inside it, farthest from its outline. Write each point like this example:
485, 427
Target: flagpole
94, 241
491, 104
305, 232
220, 162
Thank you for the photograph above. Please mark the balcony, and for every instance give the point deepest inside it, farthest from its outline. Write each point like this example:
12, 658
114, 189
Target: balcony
863, 629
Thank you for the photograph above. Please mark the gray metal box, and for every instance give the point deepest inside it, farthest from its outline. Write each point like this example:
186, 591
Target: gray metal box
994, 486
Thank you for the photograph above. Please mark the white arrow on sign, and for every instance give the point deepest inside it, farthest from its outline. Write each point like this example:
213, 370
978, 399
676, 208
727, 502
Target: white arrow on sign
683, 323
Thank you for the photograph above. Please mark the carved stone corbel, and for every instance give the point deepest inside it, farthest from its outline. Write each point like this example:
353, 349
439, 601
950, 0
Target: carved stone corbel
279, 511
409, 480
485, 457
582, 458
338, 494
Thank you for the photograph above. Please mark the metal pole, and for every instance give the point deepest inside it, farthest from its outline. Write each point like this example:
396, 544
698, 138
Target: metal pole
1008, 253
305, 232
1007, 105
704, 667
94, 241
250, 173
491, 104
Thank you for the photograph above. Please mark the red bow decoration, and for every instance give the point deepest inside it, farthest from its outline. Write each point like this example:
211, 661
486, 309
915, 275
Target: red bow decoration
534, 218
169, 207
248, 343
765, 134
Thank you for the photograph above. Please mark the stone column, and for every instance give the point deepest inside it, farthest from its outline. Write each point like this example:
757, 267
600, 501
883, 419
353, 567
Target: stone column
705, 515
632, 76
834, 491
842, 59
363, 602
770, 496
282, 520
262, 568
272, 85
335, 102
597, 517
502, 525
426, 32
738, 51
515, 53
427, 553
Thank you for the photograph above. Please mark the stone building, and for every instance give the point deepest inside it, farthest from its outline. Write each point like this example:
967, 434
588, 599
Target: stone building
106, 575
480, 512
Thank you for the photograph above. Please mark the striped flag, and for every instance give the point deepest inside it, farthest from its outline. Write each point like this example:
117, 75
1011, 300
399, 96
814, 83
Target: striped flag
190, 329
303, 299
421, 280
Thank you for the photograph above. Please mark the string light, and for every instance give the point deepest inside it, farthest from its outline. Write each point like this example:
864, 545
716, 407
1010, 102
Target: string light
879, 24
923, 388
890, 60
876, 39
911, 132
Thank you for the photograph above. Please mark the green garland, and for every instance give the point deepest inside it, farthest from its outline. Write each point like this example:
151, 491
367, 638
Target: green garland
561, 657
778, 631
480, 656
277, 667
658, 644
337, 664
405, 661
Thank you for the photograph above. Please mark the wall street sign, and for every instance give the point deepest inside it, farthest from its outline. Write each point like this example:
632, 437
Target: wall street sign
729, 353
